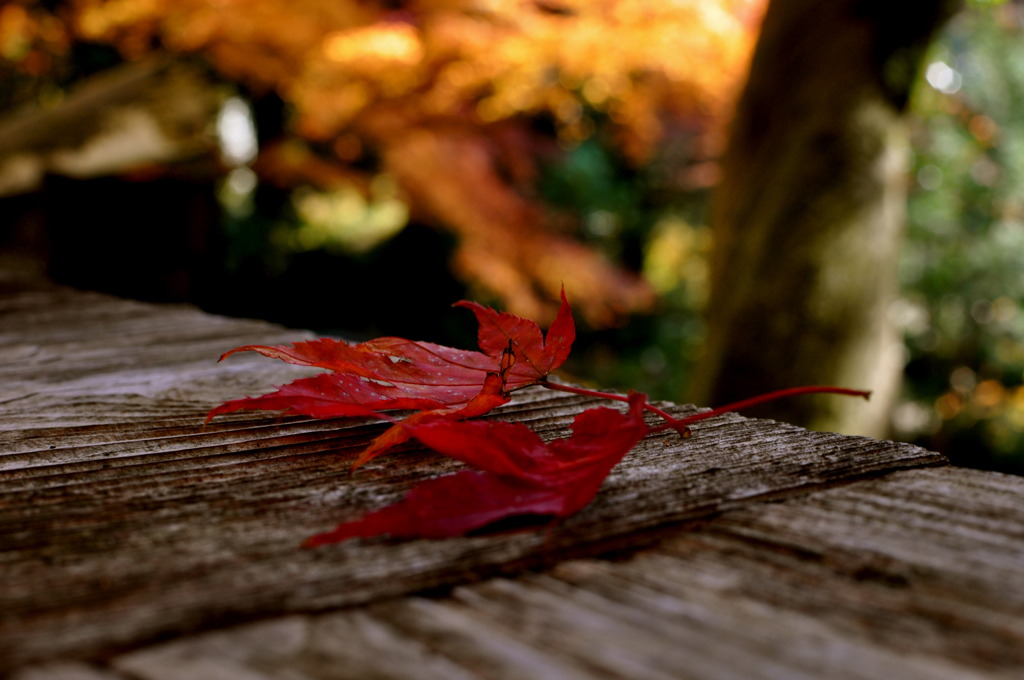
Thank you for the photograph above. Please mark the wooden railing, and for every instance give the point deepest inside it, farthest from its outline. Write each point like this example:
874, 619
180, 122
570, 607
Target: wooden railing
137, 543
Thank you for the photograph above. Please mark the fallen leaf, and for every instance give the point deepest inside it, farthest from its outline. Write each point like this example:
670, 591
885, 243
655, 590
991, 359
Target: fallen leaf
536, 356
517, 475
491, 396
397, 374
379, 375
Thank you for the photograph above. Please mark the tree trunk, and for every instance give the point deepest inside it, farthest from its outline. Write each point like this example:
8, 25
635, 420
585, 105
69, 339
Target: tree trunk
807, 218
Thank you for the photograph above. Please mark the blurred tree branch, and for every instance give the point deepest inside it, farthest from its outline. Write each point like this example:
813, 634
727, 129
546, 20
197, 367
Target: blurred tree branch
154, 110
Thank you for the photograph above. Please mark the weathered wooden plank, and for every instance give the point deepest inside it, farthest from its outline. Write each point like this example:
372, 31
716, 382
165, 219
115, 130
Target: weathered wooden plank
69, 358
123, 520
67, 670
919, 575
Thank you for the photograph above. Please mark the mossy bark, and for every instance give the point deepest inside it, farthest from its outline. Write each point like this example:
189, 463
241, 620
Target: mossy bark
807, 219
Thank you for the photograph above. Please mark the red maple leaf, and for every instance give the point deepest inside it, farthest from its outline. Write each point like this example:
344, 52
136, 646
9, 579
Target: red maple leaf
517, 475
394, 373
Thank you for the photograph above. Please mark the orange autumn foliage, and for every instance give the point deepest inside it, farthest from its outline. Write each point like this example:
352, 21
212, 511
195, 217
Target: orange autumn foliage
442, 94
31, 39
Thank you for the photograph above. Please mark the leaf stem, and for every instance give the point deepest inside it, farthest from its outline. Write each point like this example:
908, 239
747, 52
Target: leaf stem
680, 425
670, 421
762, 398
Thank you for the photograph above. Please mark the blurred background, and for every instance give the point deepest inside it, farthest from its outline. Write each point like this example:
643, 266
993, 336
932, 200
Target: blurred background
738, 195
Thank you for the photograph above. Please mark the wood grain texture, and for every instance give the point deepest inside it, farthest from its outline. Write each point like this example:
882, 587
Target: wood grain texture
853, 582
124, 521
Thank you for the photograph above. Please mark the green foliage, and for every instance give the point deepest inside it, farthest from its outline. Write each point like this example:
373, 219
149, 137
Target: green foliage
962, 271
963, 267
639, 216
